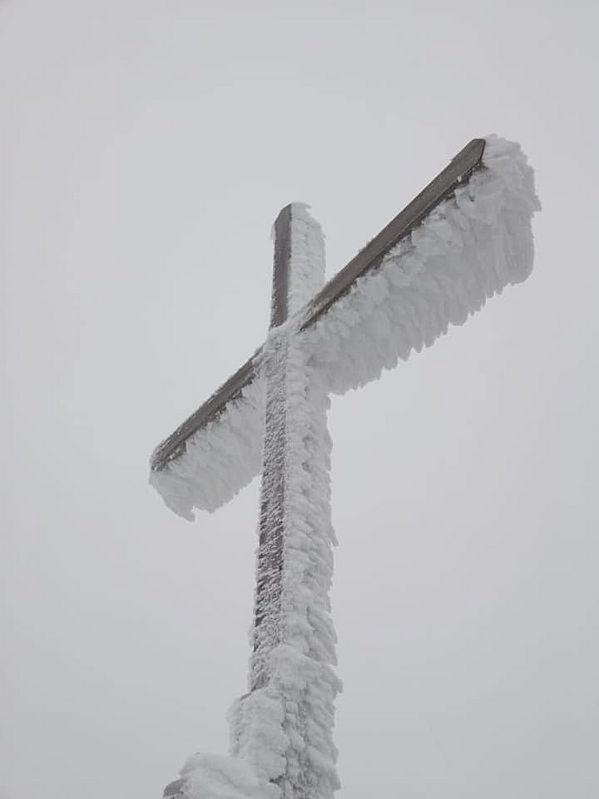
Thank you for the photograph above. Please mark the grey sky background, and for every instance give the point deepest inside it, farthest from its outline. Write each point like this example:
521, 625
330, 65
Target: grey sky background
145, 149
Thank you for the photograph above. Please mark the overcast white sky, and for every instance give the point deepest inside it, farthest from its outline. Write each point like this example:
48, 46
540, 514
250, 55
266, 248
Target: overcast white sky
145, 149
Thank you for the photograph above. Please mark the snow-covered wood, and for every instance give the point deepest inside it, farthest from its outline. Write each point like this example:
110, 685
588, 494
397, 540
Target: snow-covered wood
466, 248
469, 247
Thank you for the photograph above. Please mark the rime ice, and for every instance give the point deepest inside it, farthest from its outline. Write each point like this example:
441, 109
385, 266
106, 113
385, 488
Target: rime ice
218, 460
294, 639
468, 249
295, 642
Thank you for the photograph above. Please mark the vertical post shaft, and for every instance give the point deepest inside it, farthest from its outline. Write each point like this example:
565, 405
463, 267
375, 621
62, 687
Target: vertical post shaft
272, 496
281, 267
291, 678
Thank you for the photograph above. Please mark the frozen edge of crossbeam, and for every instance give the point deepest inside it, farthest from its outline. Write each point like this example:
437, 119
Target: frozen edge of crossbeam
467, 249
219, 459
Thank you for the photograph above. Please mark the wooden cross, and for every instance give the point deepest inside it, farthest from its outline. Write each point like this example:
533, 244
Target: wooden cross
283, 726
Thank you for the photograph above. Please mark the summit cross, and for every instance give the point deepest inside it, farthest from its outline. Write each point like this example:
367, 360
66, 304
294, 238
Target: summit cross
461, 240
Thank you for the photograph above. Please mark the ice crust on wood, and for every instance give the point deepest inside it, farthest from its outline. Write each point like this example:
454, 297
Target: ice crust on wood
276, 366
307, 260
468, 249
295, 653
302, 664
281, 731
219, 459
208, 776
294, 639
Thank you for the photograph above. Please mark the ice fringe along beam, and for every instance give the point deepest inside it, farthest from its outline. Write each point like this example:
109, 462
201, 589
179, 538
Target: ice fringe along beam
463, 239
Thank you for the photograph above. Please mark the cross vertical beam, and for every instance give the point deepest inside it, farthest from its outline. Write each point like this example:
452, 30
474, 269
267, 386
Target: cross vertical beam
269, 569
293, 634
281, 267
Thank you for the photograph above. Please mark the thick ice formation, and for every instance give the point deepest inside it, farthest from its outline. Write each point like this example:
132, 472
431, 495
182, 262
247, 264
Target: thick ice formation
218, 460
295, 642
281, 732
468, 249
307, 259
207, 776
294, 638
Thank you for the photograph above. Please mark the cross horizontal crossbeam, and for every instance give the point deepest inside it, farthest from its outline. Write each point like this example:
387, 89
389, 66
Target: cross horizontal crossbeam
459, 170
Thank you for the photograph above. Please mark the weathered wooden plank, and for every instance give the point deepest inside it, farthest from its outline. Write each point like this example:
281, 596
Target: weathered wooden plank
369, 258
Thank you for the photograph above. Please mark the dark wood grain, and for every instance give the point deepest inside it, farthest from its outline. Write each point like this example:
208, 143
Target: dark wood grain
282, 257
